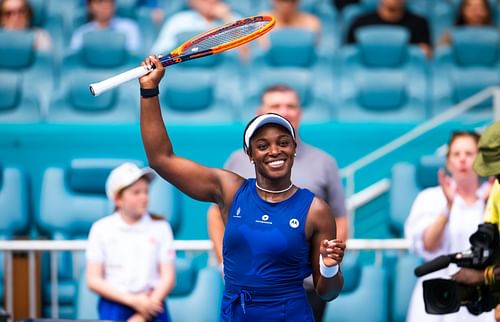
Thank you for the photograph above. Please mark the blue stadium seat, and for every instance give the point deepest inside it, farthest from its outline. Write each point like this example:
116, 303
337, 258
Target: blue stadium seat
367, 303
402, 286
190, 96
17, 105
18, 55
73, 102
292, 47
103, 54
382, 78
202, 301
72, 198
468, 66
407, 181
316, 108
293, 59
14, 209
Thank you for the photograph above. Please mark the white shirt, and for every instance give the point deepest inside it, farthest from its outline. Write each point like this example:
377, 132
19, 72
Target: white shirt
463, 222
123, 25
130, 254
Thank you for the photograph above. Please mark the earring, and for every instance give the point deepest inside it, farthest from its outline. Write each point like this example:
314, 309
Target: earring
252, 161
295, 154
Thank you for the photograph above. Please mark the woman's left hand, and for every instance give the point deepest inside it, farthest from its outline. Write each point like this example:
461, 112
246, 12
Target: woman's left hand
332, 251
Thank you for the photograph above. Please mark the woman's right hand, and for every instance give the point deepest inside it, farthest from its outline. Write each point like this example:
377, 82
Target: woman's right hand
448, 186
153, 78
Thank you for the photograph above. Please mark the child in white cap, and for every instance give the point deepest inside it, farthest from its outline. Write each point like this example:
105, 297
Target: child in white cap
130, 254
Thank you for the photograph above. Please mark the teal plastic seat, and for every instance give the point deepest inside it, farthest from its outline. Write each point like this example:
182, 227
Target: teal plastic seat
16, 104
18, 55
383, 78
14, 215
468, 66
316, 108
203, 302
74, 103
403, 283
292, 58
190, 96
367, 303
408, 180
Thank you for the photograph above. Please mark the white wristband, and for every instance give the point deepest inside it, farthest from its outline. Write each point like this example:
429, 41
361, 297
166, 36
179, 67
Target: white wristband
327, 272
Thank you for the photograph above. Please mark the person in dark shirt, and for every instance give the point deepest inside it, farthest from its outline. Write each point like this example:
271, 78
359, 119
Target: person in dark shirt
341, 4
393, 12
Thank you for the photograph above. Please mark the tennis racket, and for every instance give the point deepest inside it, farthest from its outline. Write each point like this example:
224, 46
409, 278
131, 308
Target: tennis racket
214, 41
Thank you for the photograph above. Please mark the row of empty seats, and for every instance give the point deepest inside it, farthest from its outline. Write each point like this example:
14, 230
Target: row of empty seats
382, 78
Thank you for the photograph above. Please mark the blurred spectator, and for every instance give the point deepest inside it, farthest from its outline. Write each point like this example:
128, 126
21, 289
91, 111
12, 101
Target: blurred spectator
288, 14
341, 4
130, 254
17, 15
101, 16
394, 12
443, 217
471, 13
203, 15
157, 12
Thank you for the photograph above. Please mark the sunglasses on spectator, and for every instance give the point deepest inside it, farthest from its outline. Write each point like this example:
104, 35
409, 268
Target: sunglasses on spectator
12, 12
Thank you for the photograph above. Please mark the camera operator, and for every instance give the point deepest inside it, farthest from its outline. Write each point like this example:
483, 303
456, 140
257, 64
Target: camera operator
487, 164
443, 217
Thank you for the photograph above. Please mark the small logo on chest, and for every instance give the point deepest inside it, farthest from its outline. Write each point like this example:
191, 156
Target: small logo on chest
238, 211
294, 223
264, 220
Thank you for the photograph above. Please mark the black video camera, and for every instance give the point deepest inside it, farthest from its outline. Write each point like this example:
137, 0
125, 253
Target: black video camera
443, 296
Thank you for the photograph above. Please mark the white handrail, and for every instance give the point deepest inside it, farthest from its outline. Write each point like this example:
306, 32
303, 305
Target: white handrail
54, 246
349, 171
421, 129
368, 194
80, 245
180, 245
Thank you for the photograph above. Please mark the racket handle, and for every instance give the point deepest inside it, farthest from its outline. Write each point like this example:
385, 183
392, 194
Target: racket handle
109, 83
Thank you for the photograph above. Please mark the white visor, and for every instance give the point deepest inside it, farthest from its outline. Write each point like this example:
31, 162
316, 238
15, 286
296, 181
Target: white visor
261, 120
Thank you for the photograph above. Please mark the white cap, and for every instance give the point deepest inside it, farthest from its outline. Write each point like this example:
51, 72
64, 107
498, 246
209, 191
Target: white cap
261, 120
125, 175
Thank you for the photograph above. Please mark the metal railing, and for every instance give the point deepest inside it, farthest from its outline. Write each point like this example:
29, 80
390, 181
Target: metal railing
32, 247
349, 171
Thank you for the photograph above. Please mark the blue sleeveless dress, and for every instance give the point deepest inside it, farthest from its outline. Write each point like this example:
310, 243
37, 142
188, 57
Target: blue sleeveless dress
266, 258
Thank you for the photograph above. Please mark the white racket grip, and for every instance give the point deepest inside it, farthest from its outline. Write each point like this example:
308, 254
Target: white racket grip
109, 83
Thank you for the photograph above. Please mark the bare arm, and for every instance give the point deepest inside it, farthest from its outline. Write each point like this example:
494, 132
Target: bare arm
216, 229
165, 284
197, 181
321, 230
342, 231
433, 235
139, 302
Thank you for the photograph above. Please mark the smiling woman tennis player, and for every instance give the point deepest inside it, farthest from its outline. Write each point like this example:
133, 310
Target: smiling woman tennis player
276, 233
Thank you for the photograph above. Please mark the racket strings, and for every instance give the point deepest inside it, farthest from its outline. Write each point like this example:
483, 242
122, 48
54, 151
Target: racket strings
225, 35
